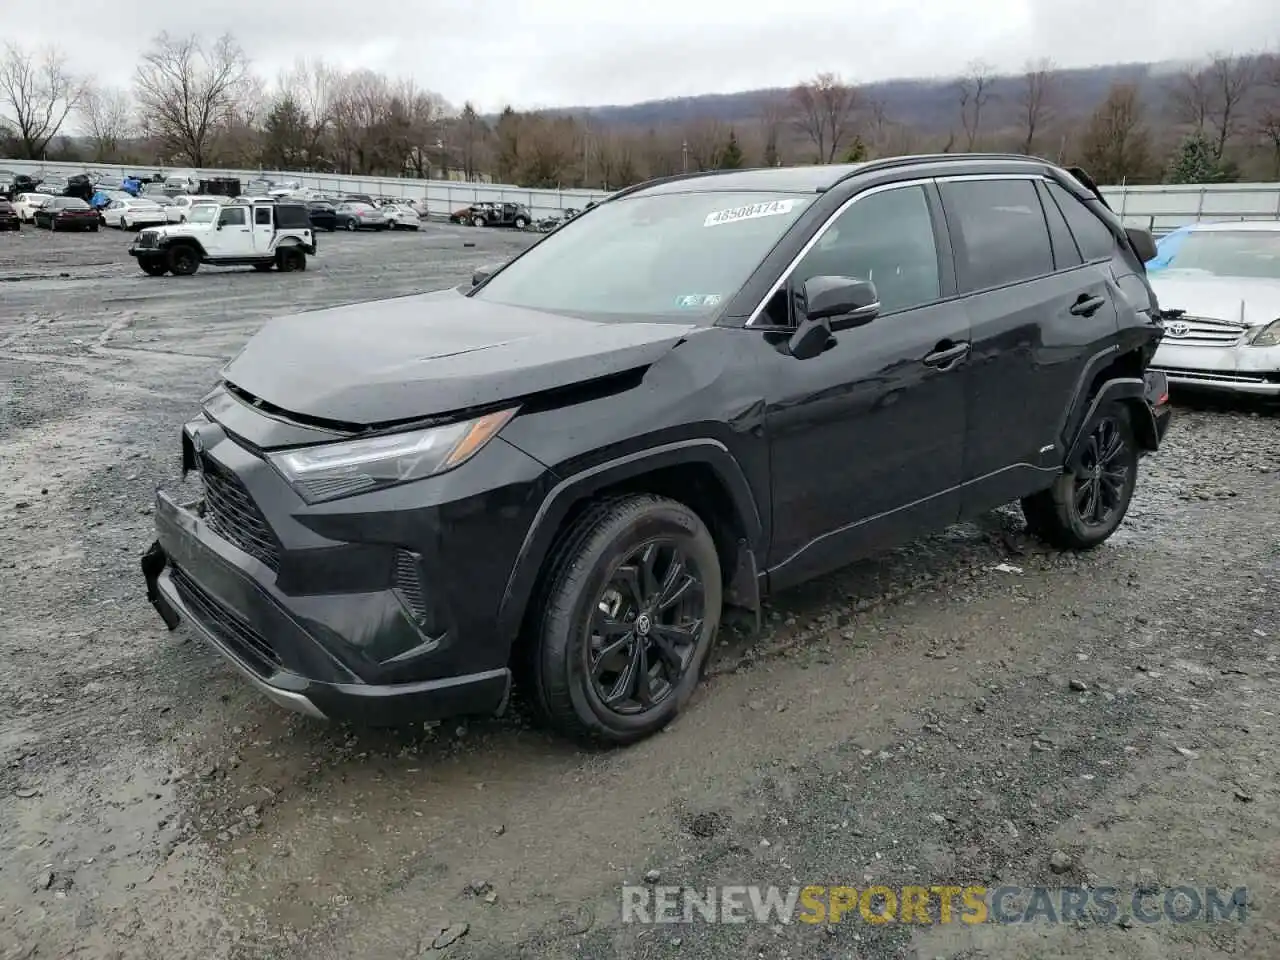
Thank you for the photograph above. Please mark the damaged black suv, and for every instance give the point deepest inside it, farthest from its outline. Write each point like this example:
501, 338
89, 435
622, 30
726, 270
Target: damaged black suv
703, 389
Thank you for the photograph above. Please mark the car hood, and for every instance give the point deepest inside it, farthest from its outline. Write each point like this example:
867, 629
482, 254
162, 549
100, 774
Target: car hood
180, 229
1239, 300
432, 354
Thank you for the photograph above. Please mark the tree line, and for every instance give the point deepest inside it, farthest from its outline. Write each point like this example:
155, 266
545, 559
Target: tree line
198, 102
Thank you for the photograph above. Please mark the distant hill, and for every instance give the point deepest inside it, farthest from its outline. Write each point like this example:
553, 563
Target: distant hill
928, 105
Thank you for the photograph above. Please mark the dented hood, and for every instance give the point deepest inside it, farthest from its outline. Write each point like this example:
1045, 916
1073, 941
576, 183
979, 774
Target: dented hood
431, 354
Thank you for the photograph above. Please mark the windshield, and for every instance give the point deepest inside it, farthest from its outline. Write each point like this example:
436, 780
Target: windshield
1252, 254
664, 256
202, 213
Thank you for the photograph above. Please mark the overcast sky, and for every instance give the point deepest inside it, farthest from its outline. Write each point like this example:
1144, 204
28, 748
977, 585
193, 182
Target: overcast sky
537, 53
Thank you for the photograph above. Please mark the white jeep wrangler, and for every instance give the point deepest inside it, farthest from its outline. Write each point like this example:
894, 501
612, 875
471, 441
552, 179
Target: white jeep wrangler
261, 233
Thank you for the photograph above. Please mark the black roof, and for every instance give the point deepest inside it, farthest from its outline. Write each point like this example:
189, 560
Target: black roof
822, 177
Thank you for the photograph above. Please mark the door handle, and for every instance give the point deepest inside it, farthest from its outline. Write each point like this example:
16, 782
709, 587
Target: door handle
1087, 306
944, 357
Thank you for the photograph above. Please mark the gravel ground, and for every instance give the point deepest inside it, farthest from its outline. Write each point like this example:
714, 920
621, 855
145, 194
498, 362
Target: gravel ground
970, 708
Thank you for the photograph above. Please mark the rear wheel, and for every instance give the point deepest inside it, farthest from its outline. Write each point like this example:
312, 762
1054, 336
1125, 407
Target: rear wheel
350, 224
477, 221
627, 615
1089, 501
184, 260
521, 223
290, 259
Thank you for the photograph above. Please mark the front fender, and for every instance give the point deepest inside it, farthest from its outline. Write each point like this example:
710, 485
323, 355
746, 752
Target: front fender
167, 242
568, 492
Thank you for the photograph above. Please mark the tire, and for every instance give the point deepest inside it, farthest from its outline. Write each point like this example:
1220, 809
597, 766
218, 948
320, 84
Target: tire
582, 574
291, 259
154, 268
350, 225
124, 224
263, 267
521, 223
93, 228
184, 260
1086, 505
477, 221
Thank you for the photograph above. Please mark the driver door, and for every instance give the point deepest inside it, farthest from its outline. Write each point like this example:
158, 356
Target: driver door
867, 439
229, 237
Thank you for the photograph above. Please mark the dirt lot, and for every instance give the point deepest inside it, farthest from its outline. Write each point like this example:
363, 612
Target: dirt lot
926, 717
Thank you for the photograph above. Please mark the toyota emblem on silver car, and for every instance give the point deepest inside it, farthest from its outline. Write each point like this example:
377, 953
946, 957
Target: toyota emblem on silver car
1177, 328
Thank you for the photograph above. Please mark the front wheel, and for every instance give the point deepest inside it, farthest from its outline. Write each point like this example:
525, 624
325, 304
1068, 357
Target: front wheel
628, 613
521, 223
1086, 505
153, 268
183, 260
477, 221
350, 224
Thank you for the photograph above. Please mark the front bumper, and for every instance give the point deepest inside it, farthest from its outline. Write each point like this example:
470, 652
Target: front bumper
176, 594
1240, 369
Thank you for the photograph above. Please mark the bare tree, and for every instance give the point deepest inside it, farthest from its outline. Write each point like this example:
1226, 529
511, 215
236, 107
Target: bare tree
1116, 144
1036, 101
107, 115
1268, 121
311, 86
704, 138
1190, 99
975, 90
189, 92
824, 110
37, 93
1231, 79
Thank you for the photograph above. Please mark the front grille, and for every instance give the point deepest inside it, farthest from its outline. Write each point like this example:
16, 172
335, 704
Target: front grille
232, 514
227, 625
1205, 332
147, 239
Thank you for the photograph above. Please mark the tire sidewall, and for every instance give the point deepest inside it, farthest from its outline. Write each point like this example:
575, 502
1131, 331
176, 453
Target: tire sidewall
565, 637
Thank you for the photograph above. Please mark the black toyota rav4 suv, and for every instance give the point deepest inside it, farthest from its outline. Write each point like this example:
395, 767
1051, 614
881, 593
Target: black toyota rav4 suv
703, 389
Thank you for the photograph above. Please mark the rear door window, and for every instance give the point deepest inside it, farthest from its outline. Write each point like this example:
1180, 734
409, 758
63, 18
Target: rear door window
1065, 253
1095, 239
1001, 232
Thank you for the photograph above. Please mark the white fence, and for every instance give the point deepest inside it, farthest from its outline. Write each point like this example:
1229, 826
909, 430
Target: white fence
1159, 208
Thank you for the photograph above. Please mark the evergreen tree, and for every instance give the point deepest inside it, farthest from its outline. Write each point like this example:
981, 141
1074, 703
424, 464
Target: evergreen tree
1194, 162
856, 153
731, 156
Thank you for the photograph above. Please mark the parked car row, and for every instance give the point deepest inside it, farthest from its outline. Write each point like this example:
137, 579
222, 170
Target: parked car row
359, 215
53, 213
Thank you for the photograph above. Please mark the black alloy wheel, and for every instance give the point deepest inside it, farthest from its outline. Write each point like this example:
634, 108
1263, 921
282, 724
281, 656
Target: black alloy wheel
624, 620
1089, 500
645, 628
1101, 476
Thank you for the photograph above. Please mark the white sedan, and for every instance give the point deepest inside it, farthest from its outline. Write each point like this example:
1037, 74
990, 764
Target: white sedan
179, 208
402, 216
1220, 293
26, 205
133, 213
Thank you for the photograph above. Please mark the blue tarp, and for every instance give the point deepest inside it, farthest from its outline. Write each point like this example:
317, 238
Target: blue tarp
132, 185
99, 200
1166, 247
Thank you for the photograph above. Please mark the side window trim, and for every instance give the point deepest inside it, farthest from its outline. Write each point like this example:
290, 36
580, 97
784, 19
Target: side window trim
939, 243
1087, 260
957, 237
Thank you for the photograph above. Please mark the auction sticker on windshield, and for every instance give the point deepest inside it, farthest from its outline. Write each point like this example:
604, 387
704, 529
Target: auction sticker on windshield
752, 211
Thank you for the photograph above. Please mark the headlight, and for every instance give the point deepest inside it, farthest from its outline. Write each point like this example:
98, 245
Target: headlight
357, 466
1268, 336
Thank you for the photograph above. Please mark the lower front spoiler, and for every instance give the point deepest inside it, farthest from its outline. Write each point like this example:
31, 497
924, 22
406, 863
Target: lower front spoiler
370, 704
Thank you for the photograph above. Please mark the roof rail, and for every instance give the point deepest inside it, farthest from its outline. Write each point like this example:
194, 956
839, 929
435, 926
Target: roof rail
673, 178
889, 163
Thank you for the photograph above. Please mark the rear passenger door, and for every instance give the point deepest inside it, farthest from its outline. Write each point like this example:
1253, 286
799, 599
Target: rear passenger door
1039, 315
263, 228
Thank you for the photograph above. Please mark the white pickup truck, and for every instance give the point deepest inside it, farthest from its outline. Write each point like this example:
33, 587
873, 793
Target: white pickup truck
258, 233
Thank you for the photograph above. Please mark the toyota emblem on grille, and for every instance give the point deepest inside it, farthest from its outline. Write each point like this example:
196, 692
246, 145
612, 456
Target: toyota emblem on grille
1177, 328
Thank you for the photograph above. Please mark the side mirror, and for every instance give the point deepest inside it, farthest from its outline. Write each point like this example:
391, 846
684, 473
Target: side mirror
1143, 243
481, 275
842, 301
218, 226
